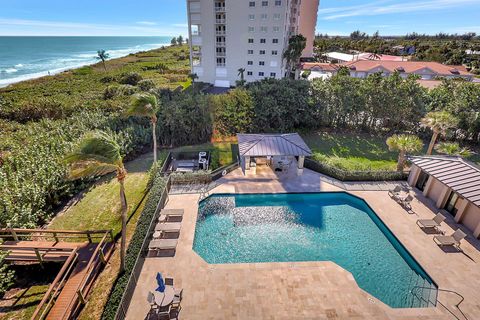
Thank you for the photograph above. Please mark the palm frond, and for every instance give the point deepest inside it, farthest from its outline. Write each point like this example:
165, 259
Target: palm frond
143, 105
90, 169
96, 154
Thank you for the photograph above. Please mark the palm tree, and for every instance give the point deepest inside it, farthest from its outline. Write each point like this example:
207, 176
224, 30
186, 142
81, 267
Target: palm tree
404, 143
146, 105
438, 122
453, 149
103, 55
241, 74
98, 154
296, 45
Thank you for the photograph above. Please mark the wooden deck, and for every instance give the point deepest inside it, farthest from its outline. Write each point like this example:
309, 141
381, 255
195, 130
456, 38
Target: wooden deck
83, 254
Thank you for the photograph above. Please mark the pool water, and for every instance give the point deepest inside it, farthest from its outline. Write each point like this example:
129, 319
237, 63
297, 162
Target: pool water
338, 227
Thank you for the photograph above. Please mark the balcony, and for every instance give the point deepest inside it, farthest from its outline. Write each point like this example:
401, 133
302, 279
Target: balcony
221, 43
219, 9
220, 21
220, 32
222, 65
221, 54
196, 54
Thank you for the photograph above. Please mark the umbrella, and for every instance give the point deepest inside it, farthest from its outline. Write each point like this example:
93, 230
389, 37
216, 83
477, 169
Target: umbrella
160, 282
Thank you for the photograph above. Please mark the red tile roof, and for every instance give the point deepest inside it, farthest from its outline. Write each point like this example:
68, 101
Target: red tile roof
408, 67
321, 66
380, 57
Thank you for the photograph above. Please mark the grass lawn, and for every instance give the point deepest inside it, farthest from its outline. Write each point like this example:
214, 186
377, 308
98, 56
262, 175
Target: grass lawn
352, 151
222, 153
99, 208
26, 301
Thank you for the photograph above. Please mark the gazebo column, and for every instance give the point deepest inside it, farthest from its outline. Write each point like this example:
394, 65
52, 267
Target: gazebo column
247, 163
301, 161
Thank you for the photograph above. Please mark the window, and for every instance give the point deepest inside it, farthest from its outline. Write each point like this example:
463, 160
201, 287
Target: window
263, 29
276, 16
274, 40
262, 51
273, 74
251, 29
250, 51
250, 63
249, 73
251, 17
264, 3
250, 40
261, 63
450, 206
251, 4
276, 29
263, 16
220, 62
263, 40
274, 52
278, 3
261, 74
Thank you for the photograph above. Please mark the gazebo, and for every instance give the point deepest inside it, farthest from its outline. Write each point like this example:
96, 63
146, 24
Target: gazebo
279, 151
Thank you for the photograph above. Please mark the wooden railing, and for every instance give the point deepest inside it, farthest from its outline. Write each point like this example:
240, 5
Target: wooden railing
55, 235
97, 260
40, 251
57, 285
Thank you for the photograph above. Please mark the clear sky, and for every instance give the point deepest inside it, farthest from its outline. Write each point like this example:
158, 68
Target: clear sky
168, 17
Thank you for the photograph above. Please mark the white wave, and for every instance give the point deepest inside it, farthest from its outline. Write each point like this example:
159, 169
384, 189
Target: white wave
10, 70
19, 65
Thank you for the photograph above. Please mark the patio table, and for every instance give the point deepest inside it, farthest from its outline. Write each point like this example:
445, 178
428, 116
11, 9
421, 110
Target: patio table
163, 299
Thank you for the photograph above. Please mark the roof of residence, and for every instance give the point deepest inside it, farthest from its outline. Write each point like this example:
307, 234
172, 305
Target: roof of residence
320, 66
340, 56
456, 173
429, 84
379, 57
258, 145
408, 67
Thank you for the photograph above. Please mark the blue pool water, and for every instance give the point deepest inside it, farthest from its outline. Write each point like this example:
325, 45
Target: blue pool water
338, 227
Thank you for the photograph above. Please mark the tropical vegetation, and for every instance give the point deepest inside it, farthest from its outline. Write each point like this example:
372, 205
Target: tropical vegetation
404, 144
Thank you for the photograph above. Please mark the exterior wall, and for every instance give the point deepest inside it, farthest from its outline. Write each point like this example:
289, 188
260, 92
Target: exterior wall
414, 174
471, 218
307, 24
436, 190
280, 22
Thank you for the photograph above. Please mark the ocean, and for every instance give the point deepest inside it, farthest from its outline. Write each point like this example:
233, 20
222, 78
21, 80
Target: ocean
23, 58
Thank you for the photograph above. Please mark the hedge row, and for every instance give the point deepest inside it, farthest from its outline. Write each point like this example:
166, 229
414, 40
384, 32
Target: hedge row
344, 175
135, 246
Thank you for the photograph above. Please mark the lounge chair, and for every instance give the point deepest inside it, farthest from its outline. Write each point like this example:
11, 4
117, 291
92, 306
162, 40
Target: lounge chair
452, 240
171, 215
168, 226
151, 300
393, 193
405, 201
163, 244
431, 223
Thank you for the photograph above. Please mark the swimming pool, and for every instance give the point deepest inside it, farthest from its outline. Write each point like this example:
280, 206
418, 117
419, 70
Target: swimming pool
294, 227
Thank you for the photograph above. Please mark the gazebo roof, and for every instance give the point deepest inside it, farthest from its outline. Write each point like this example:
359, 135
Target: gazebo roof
261, 145
456, 173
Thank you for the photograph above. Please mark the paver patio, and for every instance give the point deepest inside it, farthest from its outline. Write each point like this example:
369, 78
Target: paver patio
307, 290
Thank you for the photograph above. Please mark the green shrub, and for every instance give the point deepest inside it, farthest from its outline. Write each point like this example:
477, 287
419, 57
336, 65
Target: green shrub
134, 249
6, 275
191, 177
35, 109
107, 79
345, 175
131, 78
146, 85
110, 92
126, 90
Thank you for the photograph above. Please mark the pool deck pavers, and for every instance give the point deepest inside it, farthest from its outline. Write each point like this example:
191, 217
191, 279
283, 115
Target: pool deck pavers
308, 290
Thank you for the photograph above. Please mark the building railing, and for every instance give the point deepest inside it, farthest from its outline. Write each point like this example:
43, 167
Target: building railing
221, 21
221, 65
221, 54
220, 32
219, 9
16, 234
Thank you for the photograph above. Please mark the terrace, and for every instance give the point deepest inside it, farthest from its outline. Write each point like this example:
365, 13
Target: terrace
293, 290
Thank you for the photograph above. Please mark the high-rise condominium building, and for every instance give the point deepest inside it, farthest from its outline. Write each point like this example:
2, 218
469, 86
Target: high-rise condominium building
228, 35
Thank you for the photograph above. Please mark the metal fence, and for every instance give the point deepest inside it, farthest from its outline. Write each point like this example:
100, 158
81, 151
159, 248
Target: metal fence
137, 269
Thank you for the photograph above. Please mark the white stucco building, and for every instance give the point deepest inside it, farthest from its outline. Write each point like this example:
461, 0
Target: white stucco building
227, 35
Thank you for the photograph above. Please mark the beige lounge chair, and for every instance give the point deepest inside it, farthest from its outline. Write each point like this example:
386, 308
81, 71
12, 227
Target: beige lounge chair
452, 240
431, 223
393, 193
163, 244
405, 201
171, 215
168, 226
